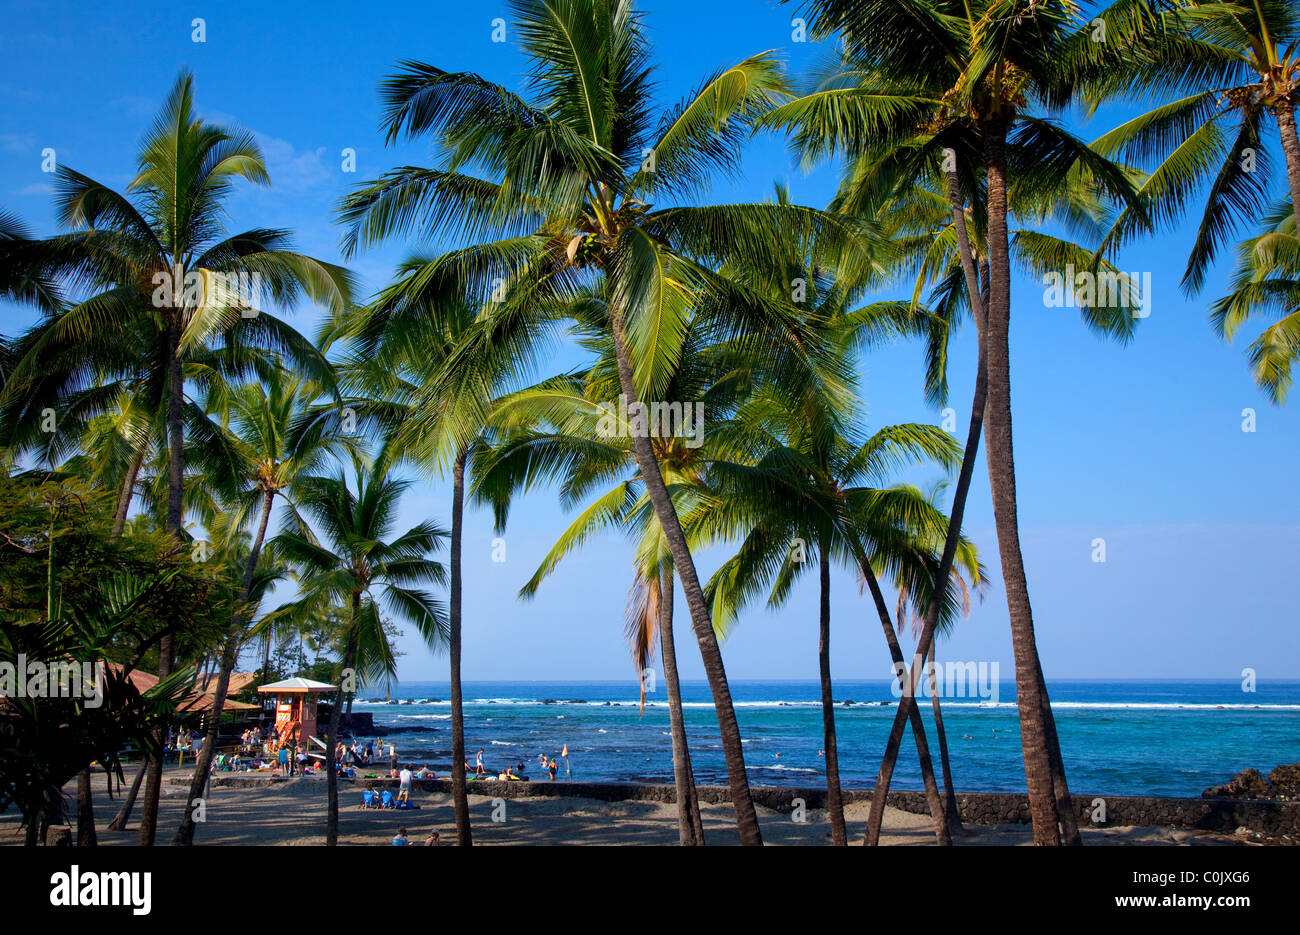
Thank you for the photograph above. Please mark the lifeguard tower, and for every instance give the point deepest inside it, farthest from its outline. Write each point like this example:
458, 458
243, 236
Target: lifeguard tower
295, 707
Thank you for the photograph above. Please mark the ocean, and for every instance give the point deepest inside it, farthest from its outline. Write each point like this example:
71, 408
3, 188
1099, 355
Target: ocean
1169, 738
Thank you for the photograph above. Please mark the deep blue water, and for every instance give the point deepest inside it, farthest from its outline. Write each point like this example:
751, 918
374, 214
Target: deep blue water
1135, 738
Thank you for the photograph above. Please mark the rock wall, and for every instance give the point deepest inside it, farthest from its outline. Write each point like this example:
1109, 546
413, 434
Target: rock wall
1279, 822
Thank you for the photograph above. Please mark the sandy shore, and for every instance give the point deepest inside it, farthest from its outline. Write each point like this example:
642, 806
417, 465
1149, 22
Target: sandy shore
293, 813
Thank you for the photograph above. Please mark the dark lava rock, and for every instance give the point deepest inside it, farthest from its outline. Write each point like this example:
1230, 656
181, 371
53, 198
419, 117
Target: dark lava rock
1286, 780
1248, 784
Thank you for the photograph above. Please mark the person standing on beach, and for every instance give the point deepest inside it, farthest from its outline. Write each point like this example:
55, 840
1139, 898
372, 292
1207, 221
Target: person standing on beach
553, 768
392, 761
404, 787
478, 764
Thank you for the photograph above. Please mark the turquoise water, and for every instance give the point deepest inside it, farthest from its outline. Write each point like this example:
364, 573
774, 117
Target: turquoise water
1120, 738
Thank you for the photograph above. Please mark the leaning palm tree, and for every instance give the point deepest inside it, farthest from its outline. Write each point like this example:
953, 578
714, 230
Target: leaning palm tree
957, 604
968, 89
555, 431
156, 260
571, 171
358, 567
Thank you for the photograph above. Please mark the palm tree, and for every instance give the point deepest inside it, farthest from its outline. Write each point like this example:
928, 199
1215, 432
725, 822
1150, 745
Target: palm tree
810, 501
573, 169
954, 85
399, 345
148, 259
553, 432
355, 568
274, 450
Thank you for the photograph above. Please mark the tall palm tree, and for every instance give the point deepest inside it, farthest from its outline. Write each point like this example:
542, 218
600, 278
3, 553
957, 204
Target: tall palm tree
572, 169
142, 257
971, 87
357, 566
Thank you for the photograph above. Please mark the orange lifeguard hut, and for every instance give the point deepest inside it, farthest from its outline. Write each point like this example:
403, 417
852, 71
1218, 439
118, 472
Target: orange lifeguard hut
295, 707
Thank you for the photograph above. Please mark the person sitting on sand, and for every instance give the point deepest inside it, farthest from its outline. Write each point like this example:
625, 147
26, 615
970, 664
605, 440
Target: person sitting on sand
399, 839
404, 788
433, 840
425, 773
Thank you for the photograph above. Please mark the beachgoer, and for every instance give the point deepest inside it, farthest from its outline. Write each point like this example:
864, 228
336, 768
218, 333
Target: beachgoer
433, 840
392, 761
284, 760
478, 764
553, 768
404, 789
399, 839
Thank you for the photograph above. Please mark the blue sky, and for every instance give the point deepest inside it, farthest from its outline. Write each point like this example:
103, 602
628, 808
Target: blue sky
1140, 445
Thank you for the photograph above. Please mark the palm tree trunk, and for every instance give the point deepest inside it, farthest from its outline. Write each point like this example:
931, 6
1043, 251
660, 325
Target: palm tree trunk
690, 829
1030, 692
728, 729
154, 762
834, 803
1064, 804
460, 800
175, 511
336, 713
907, 707
229, 656
85, 811
124, 812
949, 796
128, 491
977, 295
1284, 110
